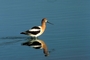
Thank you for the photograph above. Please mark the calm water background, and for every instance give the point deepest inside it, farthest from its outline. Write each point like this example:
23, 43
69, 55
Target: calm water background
69, 36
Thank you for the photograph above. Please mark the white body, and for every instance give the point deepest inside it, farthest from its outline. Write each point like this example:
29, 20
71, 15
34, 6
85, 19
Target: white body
32, 35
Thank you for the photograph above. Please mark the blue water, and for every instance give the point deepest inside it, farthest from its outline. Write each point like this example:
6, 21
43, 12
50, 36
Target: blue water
67, 39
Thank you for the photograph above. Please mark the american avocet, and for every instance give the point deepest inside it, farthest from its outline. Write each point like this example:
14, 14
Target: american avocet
37, 30
38, 44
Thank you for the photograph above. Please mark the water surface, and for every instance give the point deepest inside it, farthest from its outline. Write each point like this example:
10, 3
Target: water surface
69, 36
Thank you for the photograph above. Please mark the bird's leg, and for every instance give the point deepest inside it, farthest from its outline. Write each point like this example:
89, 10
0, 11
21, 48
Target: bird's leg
35, 38
32, 38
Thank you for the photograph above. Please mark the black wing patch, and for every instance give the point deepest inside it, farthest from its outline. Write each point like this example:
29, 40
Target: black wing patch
35, 27
34, 32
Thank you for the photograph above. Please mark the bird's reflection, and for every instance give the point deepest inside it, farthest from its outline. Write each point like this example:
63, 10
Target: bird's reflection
37, 44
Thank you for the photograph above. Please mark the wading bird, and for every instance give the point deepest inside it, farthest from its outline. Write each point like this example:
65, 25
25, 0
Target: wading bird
36, 31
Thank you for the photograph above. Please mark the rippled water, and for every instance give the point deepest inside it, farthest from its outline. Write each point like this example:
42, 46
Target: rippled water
67, 39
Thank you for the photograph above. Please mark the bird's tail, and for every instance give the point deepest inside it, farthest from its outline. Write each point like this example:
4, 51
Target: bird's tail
24, 33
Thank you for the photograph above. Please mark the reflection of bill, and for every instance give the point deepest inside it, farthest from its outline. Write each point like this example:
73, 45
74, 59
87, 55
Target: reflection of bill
38, 44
